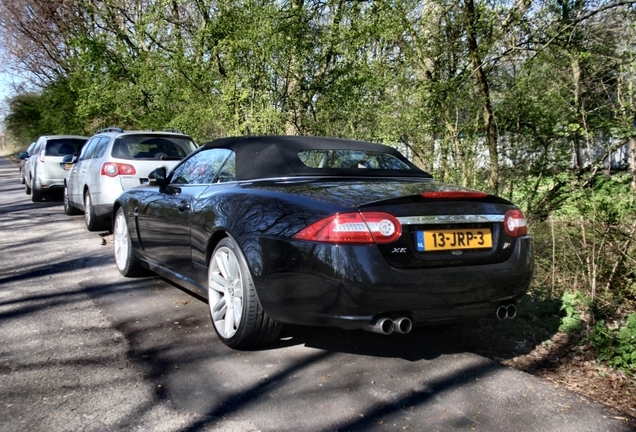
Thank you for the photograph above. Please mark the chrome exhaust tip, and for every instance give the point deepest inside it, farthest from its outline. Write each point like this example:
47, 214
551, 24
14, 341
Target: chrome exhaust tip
403, 325
383, 326
506, 312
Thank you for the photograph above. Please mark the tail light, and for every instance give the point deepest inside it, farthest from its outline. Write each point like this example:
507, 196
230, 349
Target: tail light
515, 223
112, 169
42, 153
356, 228
454, 195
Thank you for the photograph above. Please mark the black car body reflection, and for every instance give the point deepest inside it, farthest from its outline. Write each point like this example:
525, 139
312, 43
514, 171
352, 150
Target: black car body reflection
322, 231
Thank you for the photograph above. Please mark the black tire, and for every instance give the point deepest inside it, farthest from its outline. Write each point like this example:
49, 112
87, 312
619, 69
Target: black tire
27, 188
22, 176
229, 284
36, 193
93, 222
69, 208
125, 259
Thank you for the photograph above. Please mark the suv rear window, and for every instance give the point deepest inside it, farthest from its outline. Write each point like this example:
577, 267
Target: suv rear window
64, 146
136, 147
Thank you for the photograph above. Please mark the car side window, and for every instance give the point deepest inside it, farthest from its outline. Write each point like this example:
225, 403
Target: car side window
88, 149
38, 146
201, 168
228, 170
100, 147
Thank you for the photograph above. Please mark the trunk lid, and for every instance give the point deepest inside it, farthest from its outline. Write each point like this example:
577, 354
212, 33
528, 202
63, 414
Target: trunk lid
442, 225
142, 168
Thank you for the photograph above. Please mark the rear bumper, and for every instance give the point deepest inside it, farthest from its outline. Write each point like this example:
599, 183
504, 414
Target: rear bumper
46, 183
351, 286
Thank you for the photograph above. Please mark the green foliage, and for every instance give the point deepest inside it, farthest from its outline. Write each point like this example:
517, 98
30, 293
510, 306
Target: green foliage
585, 254
616, 347
574, 304
395, 71
53, 111
24, 118
608, 199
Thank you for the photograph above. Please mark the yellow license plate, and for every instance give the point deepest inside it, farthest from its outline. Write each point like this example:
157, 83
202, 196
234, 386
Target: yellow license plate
455, 239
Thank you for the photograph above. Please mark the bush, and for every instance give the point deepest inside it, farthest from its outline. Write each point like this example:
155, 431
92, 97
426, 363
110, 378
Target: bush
616, 347
575, 305
585, 255
587, 244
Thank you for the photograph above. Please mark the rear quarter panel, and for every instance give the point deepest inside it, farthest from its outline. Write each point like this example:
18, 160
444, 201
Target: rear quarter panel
249, 214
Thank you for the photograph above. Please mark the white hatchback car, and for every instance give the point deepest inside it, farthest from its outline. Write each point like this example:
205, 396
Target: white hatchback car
112, 161
42, 170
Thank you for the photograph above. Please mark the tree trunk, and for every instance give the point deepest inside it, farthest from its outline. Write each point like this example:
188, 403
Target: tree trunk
484, 90
632, 161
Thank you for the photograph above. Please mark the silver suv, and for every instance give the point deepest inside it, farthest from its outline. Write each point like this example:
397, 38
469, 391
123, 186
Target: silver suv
42, 170
112, 161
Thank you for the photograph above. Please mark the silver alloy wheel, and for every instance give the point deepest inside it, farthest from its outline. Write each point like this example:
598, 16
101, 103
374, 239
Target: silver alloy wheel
67, 203
225, 292
121, 241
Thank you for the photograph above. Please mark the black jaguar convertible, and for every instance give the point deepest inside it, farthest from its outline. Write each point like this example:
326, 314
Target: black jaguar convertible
323, 232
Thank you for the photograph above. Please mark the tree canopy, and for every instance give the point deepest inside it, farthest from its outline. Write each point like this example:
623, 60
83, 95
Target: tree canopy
479, 92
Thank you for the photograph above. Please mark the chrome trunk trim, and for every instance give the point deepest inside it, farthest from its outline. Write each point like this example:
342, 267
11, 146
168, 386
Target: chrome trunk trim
447, 219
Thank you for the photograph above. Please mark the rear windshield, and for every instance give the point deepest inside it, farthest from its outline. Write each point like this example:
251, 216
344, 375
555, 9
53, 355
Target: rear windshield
351, 159
64, 146
152, 147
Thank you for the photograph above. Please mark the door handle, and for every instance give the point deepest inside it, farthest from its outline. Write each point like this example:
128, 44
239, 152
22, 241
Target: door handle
183, 206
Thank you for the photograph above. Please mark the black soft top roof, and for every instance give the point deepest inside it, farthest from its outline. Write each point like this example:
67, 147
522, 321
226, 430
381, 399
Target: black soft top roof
270, 156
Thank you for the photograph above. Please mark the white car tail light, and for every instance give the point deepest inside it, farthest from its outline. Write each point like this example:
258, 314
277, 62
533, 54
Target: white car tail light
112, 169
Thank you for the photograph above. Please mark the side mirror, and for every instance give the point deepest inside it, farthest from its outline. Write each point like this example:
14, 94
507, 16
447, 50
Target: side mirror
68, 161
23, 155
158, 177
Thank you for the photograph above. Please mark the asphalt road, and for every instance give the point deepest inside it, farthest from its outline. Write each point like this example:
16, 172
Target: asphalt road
85, 349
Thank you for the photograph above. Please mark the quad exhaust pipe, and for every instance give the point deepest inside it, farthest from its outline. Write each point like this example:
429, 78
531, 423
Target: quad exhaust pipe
506, 312
386, 326
402, 325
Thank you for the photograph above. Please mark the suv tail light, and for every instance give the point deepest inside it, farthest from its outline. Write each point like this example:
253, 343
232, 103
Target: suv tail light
42, 153
112, 169
357, 227
515, 223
